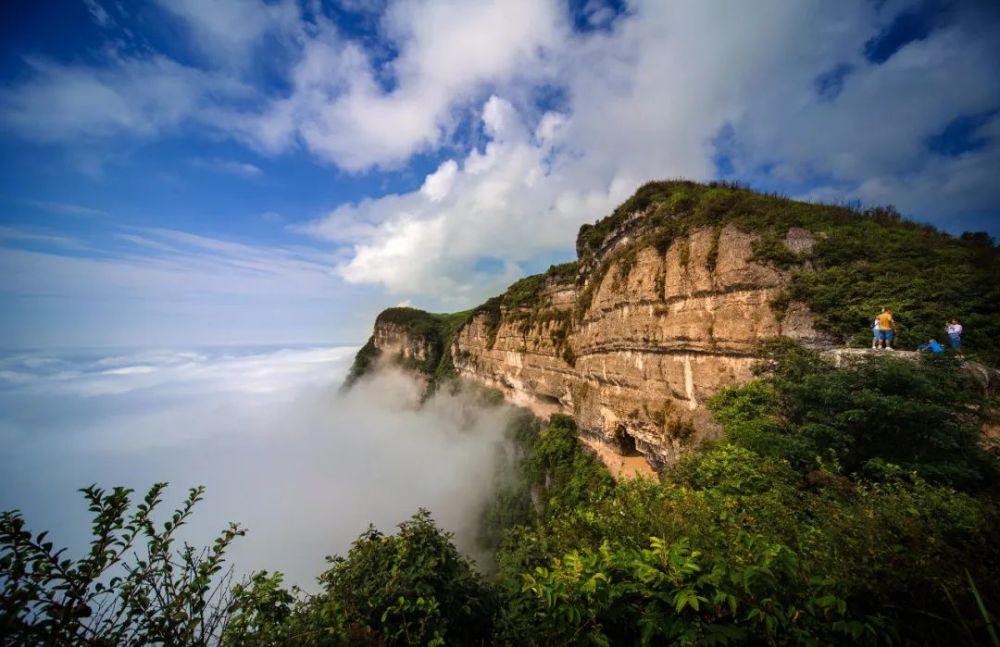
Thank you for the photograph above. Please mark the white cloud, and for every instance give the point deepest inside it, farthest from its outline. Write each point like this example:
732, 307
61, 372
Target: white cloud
140, 97
428, 242
437, 185
229, 30
65, 208
19, 234
449, 53
644, 97
156, 286
873, 136
647, 99
98, 13
231, 167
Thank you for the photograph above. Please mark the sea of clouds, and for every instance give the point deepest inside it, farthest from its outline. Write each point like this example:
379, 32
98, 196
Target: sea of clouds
278, 447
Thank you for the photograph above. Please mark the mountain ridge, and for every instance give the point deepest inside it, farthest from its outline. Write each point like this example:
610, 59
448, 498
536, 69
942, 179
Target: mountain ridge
672, 293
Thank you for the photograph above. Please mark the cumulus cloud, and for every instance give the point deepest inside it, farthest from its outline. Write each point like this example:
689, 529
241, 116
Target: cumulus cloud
429, 241
652, 97
437, 185
305, 469
873, 137
348, 109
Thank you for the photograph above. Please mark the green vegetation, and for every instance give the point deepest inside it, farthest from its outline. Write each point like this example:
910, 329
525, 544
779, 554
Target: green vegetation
863, 418
364, 362
869, 521
850, 505
134, 586
522, 302
844, 505
860, 262
410, 588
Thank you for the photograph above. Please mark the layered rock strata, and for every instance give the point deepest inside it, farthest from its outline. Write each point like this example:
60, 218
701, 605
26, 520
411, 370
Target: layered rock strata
661, 334
633, 343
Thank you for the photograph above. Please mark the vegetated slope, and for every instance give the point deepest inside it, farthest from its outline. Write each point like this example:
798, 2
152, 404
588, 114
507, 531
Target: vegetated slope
673, 292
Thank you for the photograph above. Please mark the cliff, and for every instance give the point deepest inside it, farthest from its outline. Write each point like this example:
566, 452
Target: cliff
666, 303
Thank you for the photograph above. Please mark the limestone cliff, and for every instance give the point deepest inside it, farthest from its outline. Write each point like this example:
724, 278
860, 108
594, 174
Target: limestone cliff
668, 299
662, 332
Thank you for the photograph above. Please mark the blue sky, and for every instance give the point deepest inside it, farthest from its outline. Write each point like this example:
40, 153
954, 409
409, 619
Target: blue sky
186, 172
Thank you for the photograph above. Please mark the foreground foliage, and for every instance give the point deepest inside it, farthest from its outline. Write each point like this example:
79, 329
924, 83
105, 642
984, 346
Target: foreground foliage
134, 586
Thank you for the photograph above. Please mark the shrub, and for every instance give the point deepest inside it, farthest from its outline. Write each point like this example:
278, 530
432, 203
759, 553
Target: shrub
134, 587
412, 587
923, 416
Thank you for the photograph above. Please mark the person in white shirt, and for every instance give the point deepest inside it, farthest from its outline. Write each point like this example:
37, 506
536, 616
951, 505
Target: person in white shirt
954, 329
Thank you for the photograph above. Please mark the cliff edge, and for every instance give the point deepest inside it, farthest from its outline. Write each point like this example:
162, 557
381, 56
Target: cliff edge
670, 296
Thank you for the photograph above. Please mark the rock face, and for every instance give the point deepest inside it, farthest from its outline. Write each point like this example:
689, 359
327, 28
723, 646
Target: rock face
397, 340
661, 334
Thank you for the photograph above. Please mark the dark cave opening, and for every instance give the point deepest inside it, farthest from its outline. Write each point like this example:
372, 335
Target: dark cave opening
625, 442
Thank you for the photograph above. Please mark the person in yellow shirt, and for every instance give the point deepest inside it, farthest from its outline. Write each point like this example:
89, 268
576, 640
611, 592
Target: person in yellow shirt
886, 328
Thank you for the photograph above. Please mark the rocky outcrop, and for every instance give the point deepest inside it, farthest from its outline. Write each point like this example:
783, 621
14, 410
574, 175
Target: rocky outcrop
400, 341
634, 350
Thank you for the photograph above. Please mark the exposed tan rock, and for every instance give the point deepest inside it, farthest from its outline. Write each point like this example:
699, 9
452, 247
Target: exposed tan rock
397, 341
662, 334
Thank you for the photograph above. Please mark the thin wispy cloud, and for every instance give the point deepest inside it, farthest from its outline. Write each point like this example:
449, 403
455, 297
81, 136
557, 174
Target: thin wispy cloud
168, 285
230, 167
99, 14
18, 235
65, 208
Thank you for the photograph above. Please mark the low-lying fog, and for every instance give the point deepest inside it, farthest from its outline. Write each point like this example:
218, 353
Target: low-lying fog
303, 468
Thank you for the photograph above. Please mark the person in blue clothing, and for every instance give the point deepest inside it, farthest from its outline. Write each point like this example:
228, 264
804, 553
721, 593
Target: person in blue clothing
933, 346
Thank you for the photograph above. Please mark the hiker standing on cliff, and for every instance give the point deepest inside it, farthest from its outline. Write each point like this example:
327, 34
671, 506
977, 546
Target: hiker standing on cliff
955, 335
886, 325
875, 339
